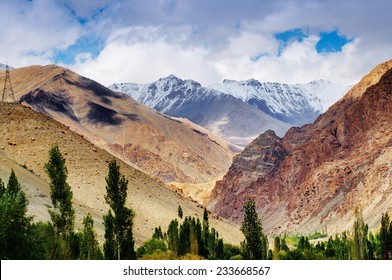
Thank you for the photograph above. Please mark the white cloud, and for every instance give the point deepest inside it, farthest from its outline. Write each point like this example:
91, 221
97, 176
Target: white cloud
146, 59
145, 54
33, 30
202, 40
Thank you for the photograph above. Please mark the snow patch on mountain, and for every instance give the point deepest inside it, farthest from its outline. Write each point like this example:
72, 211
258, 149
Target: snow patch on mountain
228, 116
296, 104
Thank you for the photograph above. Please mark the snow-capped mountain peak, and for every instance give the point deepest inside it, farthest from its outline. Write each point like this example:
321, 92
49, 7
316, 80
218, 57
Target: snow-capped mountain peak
223, 114
237, 110
296, 104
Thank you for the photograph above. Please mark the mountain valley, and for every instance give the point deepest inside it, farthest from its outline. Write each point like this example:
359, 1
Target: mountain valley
305, 180
27, 137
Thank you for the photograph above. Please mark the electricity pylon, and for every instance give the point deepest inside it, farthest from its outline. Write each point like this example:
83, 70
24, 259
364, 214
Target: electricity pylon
8, 91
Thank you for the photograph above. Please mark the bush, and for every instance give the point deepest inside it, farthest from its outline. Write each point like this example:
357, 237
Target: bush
150, 247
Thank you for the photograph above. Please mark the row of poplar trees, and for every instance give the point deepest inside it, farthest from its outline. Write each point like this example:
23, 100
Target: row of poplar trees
22, 239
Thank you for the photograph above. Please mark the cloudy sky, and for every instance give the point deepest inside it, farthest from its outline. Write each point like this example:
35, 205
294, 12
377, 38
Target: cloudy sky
205, 40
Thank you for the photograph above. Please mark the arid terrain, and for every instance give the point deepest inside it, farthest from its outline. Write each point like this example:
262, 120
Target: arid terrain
25, 140
151, 142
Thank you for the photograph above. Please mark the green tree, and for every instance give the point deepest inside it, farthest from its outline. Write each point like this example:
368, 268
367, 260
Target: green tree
359, 241
184, 243
230, 251
204, 245
89, 247
15, 225
116, 194
179, 212
276, 245
158, 234
13, 186
63, 217
150, 247
254, 247
109, 246
172, 237
385, 236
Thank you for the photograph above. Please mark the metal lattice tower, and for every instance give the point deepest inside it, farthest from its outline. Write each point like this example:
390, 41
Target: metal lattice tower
8, 91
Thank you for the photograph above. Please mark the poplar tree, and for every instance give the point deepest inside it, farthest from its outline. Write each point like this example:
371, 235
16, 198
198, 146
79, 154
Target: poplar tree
386, 238
89, 245
172, 237
14, 223
60, 192
184, 243
13, 186
116, 194
205, 237
179, 212
109, 247
359, 242
254, 247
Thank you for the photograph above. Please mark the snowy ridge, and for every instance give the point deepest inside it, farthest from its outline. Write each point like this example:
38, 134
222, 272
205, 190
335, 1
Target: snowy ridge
225, 115
166, 94
296, 104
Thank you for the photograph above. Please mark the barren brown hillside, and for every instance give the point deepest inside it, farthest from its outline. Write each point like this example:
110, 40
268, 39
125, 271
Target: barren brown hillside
156, 144
25, 139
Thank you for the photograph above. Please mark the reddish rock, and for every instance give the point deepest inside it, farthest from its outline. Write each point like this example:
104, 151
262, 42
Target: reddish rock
319, 173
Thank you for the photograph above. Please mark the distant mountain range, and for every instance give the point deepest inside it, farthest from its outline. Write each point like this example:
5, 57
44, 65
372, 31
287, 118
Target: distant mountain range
237, 110
295, 104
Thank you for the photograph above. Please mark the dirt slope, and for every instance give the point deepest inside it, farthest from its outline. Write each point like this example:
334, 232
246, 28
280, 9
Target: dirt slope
25, 139
150, 141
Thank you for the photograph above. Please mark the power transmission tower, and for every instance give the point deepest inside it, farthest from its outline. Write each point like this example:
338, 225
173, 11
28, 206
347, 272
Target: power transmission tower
8, 91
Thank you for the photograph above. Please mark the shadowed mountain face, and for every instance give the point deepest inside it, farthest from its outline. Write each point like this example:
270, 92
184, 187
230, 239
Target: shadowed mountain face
155, 144
316, 175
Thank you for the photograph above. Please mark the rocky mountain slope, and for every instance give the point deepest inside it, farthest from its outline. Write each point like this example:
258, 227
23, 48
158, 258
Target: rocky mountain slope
295, 104
154, 143
316, 175
223, 114
25, 140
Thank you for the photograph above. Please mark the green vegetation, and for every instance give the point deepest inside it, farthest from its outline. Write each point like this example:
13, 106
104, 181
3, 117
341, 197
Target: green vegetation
63, 215
119, 242
187, 239
89, 247
255, 245
15, 225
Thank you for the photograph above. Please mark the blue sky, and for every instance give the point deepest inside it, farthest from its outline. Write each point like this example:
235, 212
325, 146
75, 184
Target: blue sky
205, 40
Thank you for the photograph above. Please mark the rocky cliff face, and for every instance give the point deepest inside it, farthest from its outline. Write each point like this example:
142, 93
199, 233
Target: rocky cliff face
320, 172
